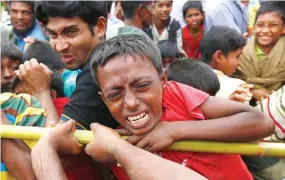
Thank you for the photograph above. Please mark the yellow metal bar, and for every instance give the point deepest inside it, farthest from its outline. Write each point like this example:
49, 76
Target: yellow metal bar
84, 137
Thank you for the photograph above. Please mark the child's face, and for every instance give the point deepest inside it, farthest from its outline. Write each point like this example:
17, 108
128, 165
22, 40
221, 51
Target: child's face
132, 90
194, 18
7, 73
167, 60
268, 28
228, 64
162, 9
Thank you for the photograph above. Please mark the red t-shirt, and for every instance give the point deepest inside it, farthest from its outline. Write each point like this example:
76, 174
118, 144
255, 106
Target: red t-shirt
181, 102
59, 104
190, 44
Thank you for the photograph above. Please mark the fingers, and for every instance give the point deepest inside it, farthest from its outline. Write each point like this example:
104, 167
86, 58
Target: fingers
143, 144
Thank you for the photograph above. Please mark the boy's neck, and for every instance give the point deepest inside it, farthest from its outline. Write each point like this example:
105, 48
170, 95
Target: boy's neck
135, 23
194, 30
266, 49
159, 24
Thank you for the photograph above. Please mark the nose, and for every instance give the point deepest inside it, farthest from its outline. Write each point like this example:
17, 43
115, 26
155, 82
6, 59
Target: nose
59, 45
20, 15
265, 29
131, 101
8, 74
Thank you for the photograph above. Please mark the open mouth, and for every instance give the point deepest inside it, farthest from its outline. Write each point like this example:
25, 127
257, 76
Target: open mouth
138, 121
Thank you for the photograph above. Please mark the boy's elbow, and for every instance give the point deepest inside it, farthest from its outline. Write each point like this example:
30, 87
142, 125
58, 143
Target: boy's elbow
265, 124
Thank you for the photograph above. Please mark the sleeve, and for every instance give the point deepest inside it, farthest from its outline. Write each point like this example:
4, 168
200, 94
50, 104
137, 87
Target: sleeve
85, 105
221, 17
24, 110
179, 39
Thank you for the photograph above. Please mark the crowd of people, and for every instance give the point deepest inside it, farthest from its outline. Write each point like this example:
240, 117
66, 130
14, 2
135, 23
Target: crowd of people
156, 71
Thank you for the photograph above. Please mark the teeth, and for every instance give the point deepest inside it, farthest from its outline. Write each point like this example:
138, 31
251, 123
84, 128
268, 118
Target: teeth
137, 117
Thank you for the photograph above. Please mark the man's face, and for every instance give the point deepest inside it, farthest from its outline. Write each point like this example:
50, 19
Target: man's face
73, 40
229, 64
147, 15
7, 73
162, 9
194, 18
132, 90
166, 61
268, 28
22, 17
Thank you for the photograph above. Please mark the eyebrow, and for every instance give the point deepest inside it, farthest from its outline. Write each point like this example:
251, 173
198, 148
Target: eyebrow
74, 26
118, 87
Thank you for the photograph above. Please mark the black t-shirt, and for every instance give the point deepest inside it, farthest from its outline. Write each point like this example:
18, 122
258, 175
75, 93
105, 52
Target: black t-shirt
85, 105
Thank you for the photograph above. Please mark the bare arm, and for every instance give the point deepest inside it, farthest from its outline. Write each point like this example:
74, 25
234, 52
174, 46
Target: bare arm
107, 146
46, 163
36, 80
229, 121
16, 156
45, 155
145, 165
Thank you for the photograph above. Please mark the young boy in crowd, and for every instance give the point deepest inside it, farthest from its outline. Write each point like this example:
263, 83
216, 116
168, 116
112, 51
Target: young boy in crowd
141, 97
195, 74
56, 91
193, 32
169, 52
221, 48
263, 59
164, 26
11, 57
43, 52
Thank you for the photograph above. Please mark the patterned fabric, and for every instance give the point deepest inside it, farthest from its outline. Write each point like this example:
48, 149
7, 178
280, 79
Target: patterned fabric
274, 107
21, 110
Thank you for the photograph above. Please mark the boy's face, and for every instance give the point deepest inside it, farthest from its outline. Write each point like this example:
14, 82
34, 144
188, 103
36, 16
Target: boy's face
194, 18
228, 64
7, 73
268, 28
162, 9
72, 39
167, 60
132, 90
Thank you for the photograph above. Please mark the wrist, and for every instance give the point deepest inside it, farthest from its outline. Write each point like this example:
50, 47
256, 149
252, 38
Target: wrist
42, 94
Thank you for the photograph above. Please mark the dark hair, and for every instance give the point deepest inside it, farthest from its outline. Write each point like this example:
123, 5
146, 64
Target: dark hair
56, 83
269, 8
168, 48
220, 38
130, 7
124, 45
44, 53
192, 5
88, 11
194, 73
11, 51
31, 3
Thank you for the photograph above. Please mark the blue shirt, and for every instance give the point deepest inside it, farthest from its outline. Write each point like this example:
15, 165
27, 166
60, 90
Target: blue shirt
35, 32
69, 81
231, 14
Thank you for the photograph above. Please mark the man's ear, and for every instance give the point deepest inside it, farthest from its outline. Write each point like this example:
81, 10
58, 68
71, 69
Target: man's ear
283, 30
101, 96
217, 56
141, 10
100, 27
53, 94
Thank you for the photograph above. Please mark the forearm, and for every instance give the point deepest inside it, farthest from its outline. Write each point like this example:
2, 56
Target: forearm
46, 163
141, 166
47, 103
17, 159
245, 126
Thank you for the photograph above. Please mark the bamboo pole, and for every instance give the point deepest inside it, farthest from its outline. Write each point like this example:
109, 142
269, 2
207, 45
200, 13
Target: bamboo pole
252, 149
